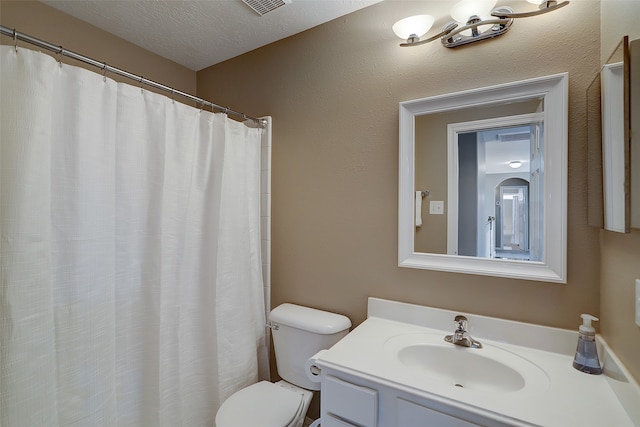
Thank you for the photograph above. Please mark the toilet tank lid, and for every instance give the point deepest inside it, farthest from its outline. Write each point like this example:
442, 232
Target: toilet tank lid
309, 319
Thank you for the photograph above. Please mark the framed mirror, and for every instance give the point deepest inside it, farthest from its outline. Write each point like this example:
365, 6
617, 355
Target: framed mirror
483, 181
615, 147
613, 137
613, 119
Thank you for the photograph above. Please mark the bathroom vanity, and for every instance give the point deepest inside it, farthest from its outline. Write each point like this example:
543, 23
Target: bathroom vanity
396, 370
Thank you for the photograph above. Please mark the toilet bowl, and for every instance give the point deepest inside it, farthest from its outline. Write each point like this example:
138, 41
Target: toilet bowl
298, 333
265, 404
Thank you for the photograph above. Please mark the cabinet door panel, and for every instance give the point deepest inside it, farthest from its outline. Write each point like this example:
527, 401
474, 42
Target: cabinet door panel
412, 414
350, 402
331, 421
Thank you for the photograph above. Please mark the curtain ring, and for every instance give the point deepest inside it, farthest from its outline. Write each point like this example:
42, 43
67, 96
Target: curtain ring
201, 105
141, 83
104, 72
226, 110
60, 54
15, 40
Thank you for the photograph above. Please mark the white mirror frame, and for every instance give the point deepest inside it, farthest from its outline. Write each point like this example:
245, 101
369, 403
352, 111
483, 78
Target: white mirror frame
615, 156
554, 92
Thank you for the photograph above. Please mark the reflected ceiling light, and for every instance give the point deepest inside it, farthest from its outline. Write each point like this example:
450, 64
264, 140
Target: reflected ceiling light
515, 164
474, 20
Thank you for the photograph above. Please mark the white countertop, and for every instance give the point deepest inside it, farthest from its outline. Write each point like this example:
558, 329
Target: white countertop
570, 398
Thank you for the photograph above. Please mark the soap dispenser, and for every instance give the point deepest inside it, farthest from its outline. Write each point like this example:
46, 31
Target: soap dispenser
586, 359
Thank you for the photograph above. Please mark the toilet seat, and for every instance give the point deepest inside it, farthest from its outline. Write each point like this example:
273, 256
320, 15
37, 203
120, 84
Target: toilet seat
262, 404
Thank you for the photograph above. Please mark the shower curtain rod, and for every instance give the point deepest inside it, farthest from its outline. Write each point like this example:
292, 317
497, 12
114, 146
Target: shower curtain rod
16, 35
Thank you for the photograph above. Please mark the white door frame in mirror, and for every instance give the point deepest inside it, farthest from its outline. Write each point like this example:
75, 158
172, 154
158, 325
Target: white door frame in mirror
453, 172
554, 92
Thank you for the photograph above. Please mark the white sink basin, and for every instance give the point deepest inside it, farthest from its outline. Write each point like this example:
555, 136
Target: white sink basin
488, 369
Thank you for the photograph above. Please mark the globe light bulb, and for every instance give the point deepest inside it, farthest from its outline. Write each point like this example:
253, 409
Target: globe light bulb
413, 26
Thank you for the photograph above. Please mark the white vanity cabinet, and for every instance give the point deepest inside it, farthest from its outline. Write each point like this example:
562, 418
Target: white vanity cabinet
358, 400
396, 370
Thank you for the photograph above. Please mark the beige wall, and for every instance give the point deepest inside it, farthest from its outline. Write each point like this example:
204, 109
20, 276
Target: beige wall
333, 92
620, 253
620, 266
618, 18
46, 23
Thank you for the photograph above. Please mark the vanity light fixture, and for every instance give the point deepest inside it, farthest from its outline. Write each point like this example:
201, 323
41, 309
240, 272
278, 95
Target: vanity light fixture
474, 20
515, 164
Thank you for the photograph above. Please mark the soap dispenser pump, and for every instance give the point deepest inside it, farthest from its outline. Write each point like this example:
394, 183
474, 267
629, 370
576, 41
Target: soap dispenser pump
586, 359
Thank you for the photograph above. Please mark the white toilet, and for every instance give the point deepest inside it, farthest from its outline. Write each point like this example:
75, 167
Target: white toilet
298, 333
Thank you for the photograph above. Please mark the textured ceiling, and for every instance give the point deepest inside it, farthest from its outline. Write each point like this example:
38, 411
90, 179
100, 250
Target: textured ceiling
200, 33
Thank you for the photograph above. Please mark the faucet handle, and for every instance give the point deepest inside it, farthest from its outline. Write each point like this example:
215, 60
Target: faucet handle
461, 322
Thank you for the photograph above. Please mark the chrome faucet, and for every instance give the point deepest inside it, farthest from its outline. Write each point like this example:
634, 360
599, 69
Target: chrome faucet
461, 336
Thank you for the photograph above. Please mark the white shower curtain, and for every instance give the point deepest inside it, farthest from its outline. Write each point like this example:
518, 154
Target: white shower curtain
131, 289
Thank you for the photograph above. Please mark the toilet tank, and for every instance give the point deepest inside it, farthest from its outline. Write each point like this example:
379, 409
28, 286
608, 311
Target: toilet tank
299, 333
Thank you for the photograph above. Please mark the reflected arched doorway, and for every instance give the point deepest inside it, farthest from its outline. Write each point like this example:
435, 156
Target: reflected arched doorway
512, 219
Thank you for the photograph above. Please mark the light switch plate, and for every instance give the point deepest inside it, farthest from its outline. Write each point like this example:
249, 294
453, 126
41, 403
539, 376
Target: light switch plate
436, 207
638, 302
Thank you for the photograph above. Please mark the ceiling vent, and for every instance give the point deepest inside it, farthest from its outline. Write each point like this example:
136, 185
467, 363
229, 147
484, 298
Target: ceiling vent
516, 136
262, 7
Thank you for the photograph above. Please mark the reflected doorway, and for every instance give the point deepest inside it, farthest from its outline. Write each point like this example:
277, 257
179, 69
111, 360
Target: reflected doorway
498, 191
512, 220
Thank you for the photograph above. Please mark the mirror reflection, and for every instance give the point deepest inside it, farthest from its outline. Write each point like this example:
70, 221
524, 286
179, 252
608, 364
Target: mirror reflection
493, 171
